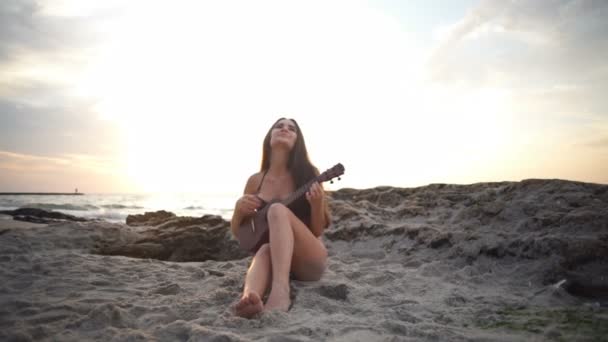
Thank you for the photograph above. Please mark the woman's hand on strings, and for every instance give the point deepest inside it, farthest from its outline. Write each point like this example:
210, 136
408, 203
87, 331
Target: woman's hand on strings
315, 195
248, 204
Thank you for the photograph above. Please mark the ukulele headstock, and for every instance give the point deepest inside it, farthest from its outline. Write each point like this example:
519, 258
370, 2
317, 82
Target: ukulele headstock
329, 174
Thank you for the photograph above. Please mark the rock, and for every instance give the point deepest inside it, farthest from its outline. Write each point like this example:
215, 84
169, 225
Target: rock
150, 218
178, 239
144, 250
561, 222
441, 240
171, 289
178, 222
36, 215
501, 261
337, 292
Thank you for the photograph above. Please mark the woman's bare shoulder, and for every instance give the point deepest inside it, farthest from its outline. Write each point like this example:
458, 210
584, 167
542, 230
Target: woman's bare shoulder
253, 182
256, 177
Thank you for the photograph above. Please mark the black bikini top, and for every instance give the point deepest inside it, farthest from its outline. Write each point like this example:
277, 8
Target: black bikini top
300, 207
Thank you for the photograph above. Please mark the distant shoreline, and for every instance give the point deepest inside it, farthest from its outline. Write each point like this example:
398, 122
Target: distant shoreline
43, 193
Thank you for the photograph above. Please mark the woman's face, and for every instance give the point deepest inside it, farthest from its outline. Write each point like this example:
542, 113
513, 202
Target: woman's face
284, 132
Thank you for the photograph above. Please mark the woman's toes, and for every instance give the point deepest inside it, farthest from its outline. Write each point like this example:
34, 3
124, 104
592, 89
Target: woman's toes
249, 305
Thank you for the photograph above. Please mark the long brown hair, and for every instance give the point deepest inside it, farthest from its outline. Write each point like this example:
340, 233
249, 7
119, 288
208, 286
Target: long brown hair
299, 165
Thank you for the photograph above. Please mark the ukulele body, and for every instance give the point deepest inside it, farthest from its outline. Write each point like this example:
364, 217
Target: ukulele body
253, 231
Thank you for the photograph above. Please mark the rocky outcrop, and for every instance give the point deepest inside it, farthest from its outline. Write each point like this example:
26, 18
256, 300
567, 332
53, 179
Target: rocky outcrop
150, 218
177, 239
561, 224
36, 215
564, 223
508, 261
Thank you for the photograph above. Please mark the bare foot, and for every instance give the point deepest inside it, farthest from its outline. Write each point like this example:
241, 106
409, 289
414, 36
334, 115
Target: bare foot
278, 299
249, 305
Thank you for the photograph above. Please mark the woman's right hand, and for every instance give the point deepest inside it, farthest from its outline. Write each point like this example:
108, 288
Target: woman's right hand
248, 204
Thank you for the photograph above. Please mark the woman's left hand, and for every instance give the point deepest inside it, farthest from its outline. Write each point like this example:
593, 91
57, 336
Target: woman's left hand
315, 195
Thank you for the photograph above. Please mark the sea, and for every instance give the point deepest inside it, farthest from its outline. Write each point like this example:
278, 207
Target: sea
116, 207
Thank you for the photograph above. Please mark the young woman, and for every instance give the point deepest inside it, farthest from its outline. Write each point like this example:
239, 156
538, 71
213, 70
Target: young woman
295, 247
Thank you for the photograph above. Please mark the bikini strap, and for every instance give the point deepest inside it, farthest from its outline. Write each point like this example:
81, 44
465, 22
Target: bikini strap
262, 181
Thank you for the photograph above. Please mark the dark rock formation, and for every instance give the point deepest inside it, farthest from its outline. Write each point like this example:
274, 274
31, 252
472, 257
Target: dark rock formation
509, 261
177, 239
150, 218
36, 215
562, 222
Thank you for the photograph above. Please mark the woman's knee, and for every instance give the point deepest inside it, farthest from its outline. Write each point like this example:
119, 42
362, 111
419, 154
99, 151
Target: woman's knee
276, 211
314, 271
311, 268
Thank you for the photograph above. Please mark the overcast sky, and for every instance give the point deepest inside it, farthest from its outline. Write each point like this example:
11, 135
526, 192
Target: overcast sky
129, 96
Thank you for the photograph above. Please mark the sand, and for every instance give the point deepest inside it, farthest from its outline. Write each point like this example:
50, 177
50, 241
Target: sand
483, 262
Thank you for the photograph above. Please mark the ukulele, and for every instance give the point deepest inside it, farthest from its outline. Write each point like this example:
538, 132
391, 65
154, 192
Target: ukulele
253, 231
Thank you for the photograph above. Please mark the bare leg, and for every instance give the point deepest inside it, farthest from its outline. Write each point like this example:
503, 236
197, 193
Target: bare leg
256, 283
293, 249
281, 252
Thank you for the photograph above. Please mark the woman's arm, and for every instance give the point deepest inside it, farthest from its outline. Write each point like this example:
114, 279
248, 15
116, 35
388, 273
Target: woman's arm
319, 215
317, 221
237, 216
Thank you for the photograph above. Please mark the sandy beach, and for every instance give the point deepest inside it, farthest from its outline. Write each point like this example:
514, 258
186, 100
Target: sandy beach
508, 261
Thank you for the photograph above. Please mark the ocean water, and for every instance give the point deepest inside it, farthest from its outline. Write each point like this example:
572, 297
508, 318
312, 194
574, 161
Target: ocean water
116, 207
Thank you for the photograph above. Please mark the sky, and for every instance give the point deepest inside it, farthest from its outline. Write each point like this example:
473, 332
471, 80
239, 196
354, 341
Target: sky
177, 96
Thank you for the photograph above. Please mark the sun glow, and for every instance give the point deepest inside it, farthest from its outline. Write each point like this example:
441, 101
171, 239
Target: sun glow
176, 96
196, 86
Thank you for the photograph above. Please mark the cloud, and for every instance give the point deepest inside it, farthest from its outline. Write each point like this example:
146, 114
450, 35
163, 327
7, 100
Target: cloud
601, 143
43, 49
36, 163
25, 29
40, 119
21, 162
30, 172
547, 55
525, 42
17, 29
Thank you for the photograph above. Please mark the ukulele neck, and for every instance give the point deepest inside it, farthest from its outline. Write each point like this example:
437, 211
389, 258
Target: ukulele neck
298, 193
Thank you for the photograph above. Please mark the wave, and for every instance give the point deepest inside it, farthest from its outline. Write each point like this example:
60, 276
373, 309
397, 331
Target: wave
65, 206
109, 216
120, 206
194, 207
